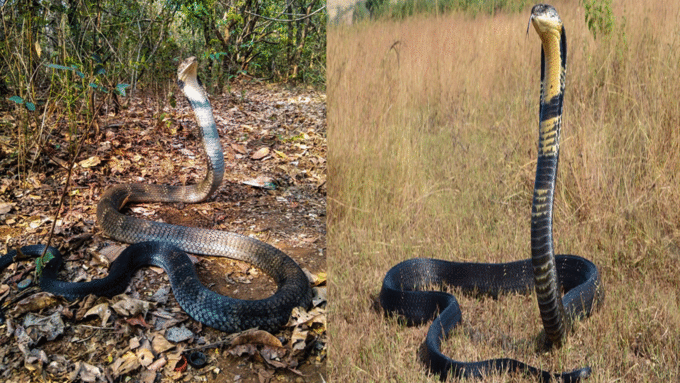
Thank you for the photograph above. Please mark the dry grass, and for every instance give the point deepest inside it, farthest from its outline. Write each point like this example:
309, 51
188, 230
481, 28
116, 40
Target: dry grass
432, 150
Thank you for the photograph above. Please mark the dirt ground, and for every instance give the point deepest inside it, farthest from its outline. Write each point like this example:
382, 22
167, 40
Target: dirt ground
272, 136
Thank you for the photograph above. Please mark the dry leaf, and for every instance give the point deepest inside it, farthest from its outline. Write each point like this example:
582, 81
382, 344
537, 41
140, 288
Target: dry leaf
281, 154
35, 302
112, 252
315, 279
160, 344
5, 207
126, 363
90, 162
277, 353
260, 154
299, 338
36, 221
144, 356
127, 306
86, 373
265, 376
322, 277
243, 349
85, 306
49, 327
4, 290
134, 343
300, 316
173, 359
256, 337
319, 296
138, 321
100, 310
240, 149
147, 376
157, 365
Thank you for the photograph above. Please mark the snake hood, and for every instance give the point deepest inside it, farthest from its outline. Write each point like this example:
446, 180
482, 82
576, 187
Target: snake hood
545, 19
187, 70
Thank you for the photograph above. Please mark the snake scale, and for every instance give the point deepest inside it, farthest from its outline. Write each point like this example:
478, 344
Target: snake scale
402, 290
164, 245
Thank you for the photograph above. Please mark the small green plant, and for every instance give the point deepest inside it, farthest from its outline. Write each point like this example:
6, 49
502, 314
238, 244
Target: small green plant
80, 89
599, 17
41, 262
29, 105
98, 72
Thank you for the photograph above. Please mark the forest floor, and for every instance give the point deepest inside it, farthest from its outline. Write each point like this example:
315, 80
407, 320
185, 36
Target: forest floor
274, 140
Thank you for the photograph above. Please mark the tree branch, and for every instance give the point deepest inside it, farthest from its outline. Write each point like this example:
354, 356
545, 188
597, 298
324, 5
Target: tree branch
288, 20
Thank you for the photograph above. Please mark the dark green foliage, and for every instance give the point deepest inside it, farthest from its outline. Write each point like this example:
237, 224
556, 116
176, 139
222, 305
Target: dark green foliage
41, 262
599, 16
98, 75
374, 6
266, 39
141, 42
18, 100
72, 61
120, 89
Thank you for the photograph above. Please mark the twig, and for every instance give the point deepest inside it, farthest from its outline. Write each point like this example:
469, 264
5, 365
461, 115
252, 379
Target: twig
287, 20
96, 327
229, 339
68, 180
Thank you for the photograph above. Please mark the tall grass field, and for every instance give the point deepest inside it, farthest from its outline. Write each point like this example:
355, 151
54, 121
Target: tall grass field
433, 128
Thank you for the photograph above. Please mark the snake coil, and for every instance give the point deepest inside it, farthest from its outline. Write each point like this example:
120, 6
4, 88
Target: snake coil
403, 284
164, 245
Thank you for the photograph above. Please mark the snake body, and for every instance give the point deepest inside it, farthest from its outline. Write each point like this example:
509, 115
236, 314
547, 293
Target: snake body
546, 273
163, 245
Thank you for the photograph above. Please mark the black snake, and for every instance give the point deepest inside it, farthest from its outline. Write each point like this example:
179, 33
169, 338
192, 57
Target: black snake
161, 244
579, 278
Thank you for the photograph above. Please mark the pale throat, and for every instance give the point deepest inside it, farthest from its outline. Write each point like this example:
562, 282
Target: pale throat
553, 67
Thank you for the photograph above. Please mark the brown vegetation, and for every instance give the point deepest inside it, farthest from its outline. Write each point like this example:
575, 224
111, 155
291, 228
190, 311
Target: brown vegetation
433, 128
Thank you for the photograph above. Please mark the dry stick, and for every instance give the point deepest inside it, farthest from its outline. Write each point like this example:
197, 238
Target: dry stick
229, 339
287, 20
40, 144
68, 180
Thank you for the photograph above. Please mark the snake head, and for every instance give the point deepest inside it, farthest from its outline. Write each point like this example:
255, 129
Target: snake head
187, 70
545, 19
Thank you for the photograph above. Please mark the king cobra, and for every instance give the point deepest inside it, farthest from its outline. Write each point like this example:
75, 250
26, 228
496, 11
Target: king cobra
402, 287
164, 245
